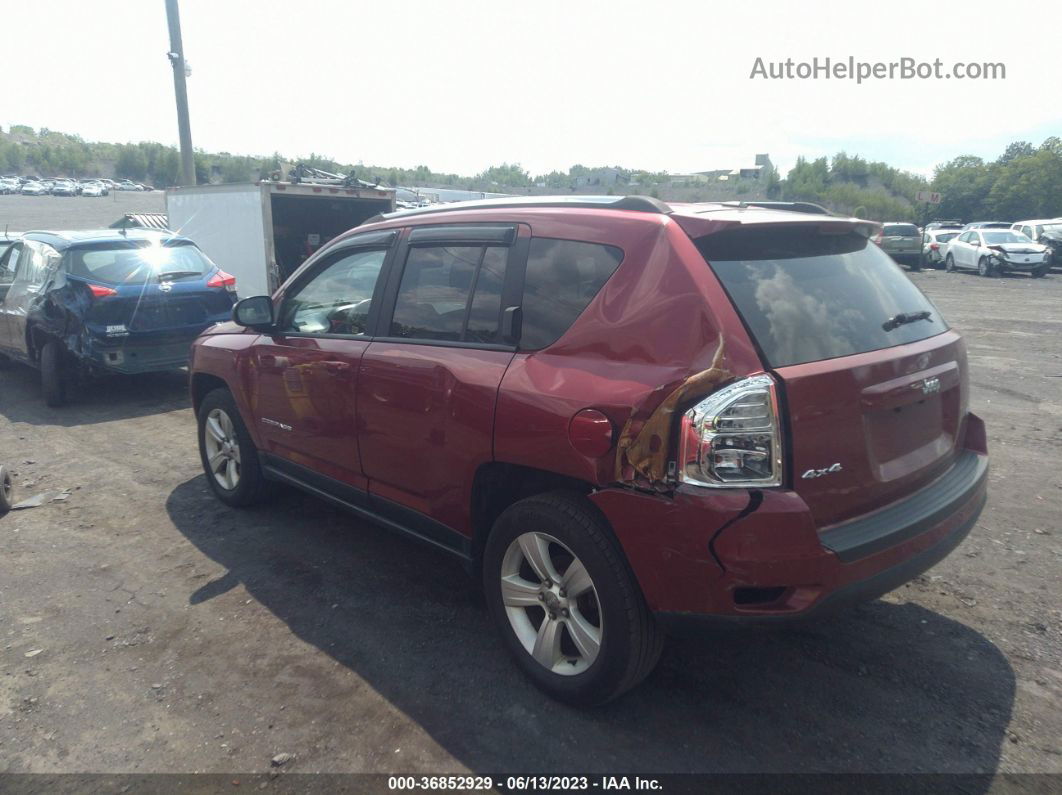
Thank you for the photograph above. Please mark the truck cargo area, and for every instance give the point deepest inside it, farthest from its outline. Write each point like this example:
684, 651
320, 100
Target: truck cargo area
303, 223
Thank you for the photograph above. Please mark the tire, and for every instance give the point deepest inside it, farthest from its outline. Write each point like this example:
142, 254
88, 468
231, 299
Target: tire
949, 264
6, 490
916, 264
53, 374
236, 478
609, 611
1039, 273
986, 268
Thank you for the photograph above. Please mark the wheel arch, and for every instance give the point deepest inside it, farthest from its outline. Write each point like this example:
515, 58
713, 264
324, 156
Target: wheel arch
497, 485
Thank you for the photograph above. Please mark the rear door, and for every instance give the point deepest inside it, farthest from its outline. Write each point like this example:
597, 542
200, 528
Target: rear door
873, 381
8, 268
429, 381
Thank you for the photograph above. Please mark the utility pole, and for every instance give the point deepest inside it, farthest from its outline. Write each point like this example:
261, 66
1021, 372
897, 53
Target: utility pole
180, 88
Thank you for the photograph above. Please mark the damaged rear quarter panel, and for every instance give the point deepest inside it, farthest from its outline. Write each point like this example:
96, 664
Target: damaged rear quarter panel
660, 332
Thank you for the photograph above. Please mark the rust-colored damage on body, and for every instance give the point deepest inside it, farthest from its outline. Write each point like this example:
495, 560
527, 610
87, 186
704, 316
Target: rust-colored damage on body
644, 445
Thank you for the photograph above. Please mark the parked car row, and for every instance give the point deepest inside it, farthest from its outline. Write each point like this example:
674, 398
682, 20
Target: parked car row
65, 186
989, 247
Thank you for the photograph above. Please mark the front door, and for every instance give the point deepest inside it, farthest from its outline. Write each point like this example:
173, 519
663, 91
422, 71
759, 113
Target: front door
8, 268
307, 371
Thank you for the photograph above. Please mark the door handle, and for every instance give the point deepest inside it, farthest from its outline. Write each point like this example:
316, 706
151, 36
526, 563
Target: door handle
337, 368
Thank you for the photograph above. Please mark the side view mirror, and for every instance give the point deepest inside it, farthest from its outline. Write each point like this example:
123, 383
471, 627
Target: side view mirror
253, 312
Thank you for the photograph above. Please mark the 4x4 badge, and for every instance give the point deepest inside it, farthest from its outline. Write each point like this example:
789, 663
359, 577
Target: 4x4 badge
818, 473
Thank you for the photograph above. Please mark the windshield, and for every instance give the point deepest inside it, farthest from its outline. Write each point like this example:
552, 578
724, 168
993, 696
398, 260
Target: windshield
138, 261
1055, 229
806, 295
902, 230
995, 238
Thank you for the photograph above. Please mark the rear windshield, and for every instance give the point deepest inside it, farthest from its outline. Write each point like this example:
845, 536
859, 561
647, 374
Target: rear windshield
902, 230
138, 261
995, 238
807, 295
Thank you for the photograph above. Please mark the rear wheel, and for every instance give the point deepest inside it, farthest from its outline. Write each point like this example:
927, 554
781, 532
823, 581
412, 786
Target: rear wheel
53, 373
985, 267
6, 490
564, 599
228, 454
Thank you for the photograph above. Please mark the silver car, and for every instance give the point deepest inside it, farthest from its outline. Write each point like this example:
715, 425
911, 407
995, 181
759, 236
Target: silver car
934, 244
995, 251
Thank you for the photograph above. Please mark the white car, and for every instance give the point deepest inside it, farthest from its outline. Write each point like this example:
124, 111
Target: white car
34, 189
994, 251
934, 244
92, 189
1047, 231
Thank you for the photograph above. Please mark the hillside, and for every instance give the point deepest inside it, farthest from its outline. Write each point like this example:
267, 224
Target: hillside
1024, 182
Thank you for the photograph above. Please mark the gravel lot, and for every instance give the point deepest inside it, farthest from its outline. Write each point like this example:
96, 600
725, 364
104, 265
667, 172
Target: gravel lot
148, 628
23, 213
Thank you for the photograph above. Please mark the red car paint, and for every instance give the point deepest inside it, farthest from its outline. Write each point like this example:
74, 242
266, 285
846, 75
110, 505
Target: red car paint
413, 426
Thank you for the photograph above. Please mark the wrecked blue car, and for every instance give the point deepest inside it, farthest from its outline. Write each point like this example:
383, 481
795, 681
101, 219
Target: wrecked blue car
77, 305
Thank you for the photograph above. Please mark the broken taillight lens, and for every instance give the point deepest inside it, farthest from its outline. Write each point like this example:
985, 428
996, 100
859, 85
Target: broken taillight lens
732, 437
222, 279
99, 291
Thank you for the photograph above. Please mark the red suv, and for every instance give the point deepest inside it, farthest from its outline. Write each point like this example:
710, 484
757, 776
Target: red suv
619, 414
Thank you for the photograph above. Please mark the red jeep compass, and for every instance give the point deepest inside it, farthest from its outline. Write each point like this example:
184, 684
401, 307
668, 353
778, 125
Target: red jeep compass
620, 414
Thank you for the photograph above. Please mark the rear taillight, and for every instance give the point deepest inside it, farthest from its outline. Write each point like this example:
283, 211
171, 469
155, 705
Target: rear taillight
222, 279
99, 291
732, 437
934, 246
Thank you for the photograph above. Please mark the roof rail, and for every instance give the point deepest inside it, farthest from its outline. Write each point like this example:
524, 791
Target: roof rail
793, 207
645, 204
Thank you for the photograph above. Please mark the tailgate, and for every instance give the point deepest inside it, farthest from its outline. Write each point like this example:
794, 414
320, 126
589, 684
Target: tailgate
890, 418
873, 382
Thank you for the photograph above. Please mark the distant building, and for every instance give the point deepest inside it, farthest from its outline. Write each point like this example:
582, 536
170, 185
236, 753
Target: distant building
600, 176
761, 164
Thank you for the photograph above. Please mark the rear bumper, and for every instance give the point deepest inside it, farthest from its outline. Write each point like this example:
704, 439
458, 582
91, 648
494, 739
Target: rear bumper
759, 556
141, 358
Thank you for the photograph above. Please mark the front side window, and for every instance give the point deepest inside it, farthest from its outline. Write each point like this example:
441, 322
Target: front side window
451, 293
562, 277
336, 300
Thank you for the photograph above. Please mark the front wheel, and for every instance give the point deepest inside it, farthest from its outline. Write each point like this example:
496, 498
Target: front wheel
228, 453
564, 599
985, 267
949, 264
1039, 273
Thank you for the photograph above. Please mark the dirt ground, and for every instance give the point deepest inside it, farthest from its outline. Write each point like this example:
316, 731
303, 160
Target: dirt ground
148, 628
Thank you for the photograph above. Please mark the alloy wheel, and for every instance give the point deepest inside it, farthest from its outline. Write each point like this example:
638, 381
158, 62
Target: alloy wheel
222, 449
551, 603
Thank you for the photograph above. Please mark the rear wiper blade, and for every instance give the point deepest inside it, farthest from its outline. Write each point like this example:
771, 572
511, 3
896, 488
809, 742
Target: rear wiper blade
904, 318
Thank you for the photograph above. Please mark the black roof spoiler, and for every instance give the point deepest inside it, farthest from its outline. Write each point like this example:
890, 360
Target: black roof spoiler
793, 207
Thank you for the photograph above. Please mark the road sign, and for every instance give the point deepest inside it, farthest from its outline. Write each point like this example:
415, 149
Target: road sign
927, 196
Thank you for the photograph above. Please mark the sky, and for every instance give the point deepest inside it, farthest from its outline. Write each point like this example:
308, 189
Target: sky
459, 86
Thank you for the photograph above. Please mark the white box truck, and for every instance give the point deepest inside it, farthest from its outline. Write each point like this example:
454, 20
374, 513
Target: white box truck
261, 232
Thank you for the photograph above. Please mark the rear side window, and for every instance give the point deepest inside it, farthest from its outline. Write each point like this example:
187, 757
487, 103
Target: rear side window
900, 230
806, 295
451, 294
562, 277
946, 236
138, 262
